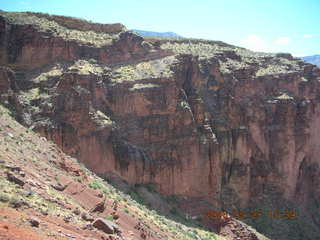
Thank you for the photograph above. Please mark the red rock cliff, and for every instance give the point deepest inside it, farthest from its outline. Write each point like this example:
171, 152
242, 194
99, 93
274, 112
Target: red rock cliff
195, 118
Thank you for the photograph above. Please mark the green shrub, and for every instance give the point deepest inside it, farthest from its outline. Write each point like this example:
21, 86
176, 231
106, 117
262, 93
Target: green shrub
136, 196
109, 217
4, 197
92, 61
96, 185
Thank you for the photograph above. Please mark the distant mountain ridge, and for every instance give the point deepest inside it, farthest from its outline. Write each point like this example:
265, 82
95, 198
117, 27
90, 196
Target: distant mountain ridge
144, 33
314, 59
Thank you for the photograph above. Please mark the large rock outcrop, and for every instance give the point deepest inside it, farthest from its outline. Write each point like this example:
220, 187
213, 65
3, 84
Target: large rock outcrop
32, 40
195, 118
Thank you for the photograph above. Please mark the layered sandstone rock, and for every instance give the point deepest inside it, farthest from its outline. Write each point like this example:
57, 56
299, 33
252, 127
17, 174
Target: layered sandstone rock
194, 118
29, 41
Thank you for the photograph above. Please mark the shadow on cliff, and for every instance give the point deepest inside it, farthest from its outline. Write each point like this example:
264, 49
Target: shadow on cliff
175, 208
191, 211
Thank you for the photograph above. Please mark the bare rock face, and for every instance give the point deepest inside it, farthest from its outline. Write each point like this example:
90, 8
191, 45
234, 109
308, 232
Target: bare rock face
7, 80
194, 118
8, 85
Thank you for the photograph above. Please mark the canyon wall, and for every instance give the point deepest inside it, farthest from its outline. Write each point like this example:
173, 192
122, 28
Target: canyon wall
195, 118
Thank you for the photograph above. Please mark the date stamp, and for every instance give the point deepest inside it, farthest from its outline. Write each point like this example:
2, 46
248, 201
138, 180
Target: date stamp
253, 214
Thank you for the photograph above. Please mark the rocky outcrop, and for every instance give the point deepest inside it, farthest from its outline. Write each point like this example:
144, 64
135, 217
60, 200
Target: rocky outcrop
194, 118
106, 226
29, 41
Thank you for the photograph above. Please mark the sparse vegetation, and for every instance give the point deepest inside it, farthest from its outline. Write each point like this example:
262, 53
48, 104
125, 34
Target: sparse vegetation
4, 197
159, 68
96, 185
232, 58
97, 39
55, 71
84, 67
100, 119
109, 217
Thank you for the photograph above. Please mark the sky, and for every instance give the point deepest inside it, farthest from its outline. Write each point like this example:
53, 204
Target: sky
260, 25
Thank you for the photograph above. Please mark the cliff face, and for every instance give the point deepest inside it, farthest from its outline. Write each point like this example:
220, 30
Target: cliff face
34, 40
194, 118
46, 194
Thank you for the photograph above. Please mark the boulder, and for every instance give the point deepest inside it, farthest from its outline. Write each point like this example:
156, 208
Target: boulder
106, 226
59, 187
99, 207
87, 217
13, 178
34, 222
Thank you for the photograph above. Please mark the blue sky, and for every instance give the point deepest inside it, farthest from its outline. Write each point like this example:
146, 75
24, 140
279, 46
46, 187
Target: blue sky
271, 26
